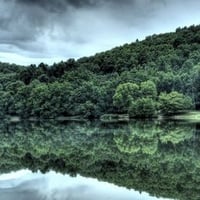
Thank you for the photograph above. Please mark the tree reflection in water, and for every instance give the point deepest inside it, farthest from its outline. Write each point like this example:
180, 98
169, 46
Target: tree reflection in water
159, 158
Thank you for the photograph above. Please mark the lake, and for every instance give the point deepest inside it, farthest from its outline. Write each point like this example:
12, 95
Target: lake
140, 160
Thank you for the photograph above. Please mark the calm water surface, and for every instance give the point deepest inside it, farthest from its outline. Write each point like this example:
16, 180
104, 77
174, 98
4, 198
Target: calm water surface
36, 186
141, 160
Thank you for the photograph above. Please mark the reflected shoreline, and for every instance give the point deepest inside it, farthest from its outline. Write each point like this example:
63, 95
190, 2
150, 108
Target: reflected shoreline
151, 156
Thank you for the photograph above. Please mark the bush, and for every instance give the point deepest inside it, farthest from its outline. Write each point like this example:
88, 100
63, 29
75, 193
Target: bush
173, 103
143, 108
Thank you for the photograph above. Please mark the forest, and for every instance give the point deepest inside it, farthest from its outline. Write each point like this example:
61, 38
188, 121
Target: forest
159, 75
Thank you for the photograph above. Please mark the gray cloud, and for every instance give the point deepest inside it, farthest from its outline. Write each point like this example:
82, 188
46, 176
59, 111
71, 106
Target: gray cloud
53, 5
24, 20
74, 28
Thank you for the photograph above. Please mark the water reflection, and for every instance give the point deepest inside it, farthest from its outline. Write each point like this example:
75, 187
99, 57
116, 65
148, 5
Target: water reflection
160, 158
54, 186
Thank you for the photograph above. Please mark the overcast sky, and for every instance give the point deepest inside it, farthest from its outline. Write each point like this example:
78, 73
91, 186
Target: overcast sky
34, 31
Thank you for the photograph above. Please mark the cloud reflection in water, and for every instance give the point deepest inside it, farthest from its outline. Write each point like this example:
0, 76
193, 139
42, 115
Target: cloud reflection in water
25, 185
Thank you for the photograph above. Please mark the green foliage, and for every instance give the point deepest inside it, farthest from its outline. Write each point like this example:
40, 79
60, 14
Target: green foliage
148, 89
124, 96
109, 82
174, 102
142, 108
138, 101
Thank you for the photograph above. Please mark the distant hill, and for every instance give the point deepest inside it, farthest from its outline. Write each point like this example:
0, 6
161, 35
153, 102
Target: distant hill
159, 75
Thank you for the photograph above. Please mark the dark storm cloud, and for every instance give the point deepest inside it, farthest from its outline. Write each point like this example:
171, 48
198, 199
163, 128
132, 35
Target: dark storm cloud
65, 28
24, 20
60, 4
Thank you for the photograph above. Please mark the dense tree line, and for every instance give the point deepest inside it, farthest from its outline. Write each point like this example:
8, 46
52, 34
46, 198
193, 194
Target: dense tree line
159, 75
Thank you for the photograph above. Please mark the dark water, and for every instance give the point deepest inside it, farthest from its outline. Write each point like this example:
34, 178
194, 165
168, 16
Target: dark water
73, 161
